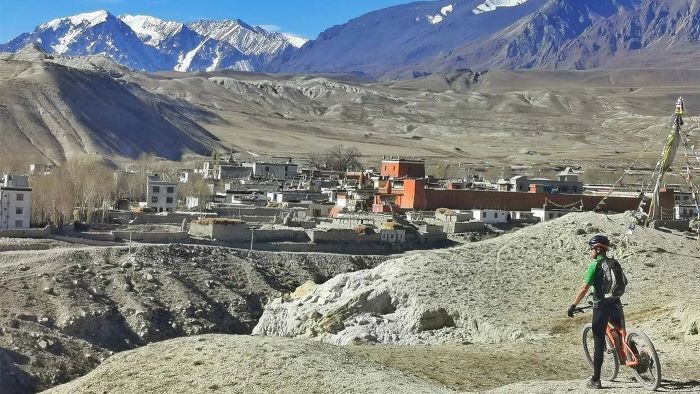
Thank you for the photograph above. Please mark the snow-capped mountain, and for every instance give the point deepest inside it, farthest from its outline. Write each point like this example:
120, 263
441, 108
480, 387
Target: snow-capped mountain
406, 34
148, 43
565, 34
89, 34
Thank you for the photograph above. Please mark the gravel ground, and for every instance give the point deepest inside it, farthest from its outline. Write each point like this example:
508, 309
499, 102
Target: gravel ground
226, 363
15, 244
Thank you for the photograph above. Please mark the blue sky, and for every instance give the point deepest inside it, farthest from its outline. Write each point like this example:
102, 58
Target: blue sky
306, 18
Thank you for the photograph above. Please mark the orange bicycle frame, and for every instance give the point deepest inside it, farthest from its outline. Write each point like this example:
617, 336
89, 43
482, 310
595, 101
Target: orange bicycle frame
624, 352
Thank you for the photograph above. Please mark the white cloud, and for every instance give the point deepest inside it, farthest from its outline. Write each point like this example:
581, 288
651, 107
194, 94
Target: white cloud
293, 39
276, 28
297, 41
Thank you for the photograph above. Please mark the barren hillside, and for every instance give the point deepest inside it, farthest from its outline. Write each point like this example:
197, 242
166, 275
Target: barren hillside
53, 111
65, 310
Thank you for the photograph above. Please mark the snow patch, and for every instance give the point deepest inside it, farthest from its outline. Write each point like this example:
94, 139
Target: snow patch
434, 19
492, 5
184, 61
296, 41
93, 18
437, 18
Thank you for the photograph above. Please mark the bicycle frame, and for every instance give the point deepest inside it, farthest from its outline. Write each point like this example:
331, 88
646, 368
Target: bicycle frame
624, 350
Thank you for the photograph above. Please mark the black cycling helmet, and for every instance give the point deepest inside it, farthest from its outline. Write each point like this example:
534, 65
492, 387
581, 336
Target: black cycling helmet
599, 241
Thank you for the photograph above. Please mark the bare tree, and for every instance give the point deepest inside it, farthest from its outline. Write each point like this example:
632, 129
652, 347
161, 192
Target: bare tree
197, 187
337, 158
131, 185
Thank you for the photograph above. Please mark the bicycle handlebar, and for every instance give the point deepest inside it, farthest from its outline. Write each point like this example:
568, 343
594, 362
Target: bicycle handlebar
582, 309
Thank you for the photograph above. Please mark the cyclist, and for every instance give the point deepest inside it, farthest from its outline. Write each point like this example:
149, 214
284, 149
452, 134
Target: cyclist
604, 309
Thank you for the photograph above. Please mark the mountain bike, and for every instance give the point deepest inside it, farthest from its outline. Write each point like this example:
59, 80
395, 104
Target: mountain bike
635, 351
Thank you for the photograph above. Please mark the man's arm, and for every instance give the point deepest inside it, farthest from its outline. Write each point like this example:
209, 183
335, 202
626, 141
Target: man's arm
581, 293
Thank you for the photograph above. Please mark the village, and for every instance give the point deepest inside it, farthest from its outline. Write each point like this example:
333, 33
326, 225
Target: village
282, 205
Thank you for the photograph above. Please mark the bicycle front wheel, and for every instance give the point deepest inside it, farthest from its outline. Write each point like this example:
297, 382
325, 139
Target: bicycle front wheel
648, 372
611, 362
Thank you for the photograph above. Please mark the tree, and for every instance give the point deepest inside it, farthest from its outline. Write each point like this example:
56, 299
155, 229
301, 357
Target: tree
337, 158
197, 187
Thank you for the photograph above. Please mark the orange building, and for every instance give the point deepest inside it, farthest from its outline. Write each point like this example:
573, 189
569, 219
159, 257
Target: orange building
403, 168
414, 195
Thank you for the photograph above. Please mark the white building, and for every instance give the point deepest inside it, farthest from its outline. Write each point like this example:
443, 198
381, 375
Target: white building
490, 216
273, 170
16, 202
686, 212
161, 196
549, 214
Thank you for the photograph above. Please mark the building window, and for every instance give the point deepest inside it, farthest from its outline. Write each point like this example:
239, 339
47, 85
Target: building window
156, 189
169, 200
20, 197
495, 215
18, 223
171, 189
19, 211
168, 209
154, 199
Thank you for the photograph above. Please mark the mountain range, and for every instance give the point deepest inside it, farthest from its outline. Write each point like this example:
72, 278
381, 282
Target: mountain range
151, 44
404, 41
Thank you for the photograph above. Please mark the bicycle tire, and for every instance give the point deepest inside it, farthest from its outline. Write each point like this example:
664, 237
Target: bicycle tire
648, 373
610, 370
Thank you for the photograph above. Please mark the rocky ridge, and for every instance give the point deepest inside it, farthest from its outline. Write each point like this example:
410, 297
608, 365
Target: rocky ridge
505, 289
66, 310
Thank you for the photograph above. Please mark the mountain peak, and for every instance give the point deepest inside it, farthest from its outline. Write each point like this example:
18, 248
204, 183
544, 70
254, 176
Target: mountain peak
91, 18
149, 29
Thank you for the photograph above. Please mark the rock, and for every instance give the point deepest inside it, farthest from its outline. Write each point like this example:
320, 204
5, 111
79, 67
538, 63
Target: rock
26, 317
126, 264
303, 290
42, 344
150, 278
23, 267
49, 290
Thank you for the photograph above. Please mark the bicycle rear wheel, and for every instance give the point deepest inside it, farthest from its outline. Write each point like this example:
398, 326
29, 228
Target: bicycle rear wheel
611, 362
648, 372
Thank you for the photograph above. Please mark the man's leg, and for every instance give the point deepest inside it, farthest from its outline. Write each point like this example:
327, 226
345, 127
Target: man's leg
600, 322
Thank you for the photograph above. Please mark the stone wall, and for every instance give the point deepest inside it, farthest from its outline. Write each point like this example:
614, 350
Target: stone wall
26, 233
280, 235
153, 237
221, 232
170, 218
342, 236
680, 225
